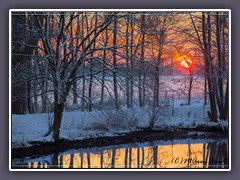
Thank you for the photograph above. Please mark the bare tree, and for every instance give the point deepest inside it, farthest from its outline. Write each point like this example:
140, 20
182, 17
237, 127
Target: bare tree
91, 61
214, 69
115, 87
132, 60
104, 67
64, 67
127, 61
141, 73
206, 29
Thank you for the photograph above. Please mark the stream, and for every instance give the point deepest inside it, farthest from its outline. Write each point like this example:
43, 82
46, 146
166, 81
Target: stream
181, 153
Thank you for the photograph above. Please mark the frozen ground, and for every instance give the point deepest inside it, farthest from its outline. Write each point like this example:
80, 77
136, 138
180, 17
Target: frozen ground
80, 125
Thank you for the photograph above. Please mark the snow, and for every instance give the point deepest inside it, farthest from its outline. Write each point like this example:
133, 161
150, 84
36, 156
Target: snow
81, 125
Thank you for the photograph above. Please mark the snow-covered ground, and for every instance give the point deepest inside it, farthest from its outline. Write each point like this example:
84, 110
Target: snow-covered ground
81, 125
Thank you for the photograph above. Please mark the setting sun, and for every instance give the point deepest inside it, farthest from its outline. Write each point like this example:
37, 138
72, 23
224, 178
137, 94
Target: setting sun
186, 63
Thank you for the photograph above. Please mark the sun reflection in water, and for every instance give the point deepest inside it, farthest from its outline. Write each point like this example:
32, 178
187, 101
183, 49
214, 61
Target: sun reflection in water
201, 155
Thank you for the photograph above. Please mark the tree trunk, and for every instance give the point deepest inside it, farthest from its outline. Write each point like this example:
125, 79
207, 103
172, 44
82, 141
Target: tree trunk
141, 74
156, 86
29, 88
131, 62
83, 88
90, 87
58, 112
83, 65
29, 99
205, 88
208, 64
104, 70
75, 102
190, 85
115, 87
127, 64
91, 69
211, 74
219, 89
44, 85
156, 78
226, 105
75, 95
103, 80
35, 71
44, 96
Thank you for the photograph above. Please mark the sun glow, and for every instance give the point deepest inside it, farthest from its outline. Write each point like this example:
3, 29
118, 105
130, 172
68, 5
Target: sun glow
186, 63
183, 60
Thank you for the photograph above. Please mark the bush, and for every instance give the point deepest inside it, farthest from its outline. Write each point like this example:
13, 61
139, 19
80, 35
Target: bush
121, 120
155, 113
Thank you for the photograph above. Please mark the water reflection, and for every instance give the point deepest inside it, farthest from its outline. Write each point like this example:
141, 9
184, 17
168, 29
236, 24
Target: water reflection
171, 154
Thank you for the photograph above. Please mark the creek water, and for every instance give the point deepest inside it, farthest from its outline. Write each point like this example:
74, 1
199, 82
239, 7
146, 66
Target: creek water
186, 153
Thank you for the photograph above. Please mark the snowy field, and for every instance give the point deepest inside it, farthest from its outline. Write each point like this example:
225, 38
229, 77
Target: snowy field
170, 86
81, 125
